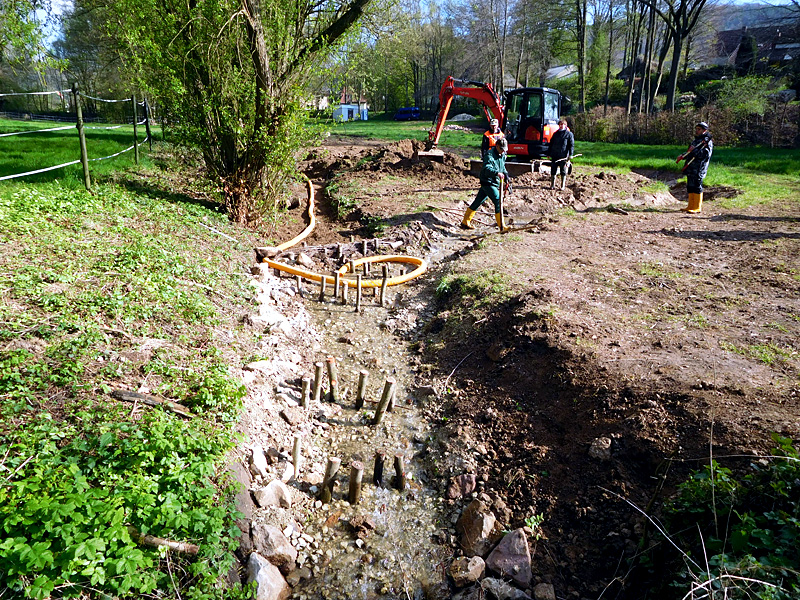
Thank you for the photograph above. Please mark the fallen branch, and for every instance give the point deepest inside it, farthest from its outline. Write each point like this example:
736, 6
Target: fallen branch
217, 231
155, 542
127, 396
204, 286
615, 209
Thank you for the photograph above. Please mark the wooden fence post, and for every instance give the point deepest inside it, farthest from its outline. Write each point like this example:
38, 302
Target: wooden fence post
87, 180
147, 124
135, 131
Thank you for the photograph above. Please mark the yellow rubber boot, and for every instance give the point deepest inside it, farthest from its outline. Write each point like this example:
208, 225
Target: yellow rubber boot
695, 203
499, 218
466, 223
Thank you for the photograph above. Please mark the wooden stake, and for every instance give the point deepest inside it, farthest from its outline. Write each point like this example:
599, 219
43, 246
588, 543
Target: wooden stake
358, 292
344, 292
322, 283
356, 476
384, 284
377, 470
390, 406
317, 382
87, 180
362, 389
333, 380
399, 472
336, 280
306, 391
351, 267
364, 250
330, 479
296, 457
388, 389
299, 285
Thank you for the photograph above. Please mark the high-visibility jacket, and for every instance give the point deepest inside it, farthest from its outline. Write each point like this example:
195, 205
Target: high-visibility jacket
489, 140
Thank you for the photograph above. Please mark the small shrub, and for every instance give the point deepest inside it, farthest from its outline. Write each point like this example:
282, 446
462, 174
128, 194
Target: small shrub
744, 530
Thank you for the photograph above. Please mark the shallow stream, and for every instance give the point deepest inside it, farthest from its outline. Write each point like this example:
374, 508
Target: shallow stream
396, 553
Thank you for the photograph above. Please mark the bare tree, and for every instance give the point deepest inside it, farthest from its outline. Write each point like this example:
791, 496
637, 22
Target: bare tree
681, 17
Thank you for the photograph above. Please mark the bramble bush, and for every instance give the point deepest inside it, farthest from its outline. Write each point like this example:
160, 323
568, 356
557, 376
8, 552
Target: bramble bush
749, 528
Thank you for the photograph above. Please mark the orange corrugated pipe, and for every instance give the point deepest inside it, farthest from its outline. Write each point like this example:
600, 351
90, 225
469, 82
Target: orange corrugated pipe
420, 264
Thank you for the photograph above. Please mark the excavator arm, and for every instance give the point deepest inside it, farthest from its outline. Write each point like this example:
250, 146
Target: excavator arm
482, 92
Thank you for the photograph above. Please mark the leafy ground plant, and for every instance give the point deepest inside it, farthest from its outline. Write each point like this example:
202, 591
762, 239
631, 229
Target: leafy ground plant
103, 292
742, 531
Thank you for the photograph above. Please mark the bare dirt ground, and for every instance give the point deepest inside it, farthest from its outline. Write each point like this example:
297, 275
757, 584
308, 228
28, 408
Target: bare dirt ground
675, 336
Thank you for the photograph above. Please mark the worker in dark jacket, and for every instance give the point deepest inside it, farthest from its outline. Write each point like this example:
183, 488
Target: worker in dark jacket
697, 158
562, 144
493, 176
490, 137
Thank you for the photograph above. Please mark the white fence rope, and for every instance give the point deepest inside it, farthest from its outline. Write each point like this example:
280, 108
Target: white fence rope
67, 164
102, 99
128, 149
59, 92
37, 130
40, 170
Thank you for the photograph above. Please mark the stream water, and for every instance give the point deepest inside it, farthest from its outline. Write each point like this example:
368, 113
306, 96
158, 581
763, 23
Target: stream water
394, 553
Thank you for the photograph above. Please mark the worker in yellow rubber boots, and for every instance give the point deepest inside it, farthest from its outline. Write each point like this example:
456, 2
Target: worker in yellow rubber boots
697, 158
490, 137
493, 176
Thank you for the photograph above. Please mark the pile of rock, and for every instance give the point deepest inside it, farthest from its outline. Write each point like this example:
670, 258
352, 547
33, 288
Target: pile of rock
485, 549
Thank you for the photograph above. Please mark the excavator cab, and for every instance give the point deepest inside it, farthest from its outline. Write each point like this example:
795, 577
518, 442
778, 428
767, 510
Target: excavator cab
531, 118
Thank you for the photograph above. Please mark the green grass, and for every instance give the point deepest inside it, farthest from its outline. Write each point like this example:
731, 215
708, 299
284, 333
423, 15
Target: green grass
101, 292
383, 128
482, 288
761, 174
33, 151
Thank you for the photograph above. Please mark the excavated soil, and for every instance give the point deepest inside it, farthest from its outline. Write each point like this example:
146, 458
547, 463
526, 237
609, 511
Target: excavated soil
674, 336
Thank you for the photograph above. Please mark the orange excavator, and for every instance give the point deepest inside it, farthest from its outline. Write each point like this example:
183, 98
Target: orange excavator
528, 118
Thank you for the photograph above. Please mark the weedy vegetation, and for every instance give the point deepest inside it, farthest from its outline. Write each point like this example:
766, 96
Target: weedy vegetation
105, 291
739, 532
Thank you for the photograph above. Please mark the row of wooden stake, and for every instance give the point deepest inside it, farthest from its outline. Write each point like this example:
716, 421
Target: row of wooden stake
309, 393
340, 287
386, 404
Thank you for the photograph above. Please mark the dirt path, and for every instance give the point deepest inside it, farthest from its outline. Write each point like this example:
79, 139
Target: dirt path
668, 335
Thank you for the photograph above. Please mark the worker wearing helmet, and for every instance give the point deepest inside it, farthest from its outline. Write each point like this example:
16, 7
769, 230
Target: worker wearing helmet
493, 176
490, 137
697, 158
562, 144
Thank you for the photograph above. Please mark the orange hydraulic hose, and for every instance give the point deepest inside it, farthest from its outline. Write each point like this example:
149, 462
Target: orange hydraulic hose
421, 265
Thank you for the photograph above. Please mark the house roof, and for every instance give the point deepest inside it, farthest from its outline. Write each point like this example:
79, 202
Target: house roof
776, 43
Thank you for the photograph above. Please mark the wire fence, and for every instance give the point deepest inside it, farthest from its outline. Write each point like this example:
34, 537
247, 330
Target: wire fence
78, 99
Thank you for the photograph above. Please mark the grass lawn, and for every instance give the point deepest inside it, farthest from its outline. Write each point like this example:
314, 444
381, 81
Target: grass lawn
33, 151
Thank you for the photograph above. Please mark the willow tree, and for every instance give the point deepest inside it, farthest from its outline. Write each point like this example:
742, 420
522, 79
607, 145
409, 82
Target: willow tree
230, 75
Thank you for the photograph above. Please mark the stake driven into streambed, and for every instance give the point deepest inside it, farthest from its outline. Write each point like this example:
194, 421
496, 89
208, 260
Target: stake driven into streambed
420, 264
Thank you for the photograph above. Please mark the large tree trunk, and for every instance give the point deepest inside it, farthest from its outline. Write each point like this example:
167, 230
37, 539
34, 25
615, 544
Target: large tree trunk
662, 57
634, 56
672, 85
